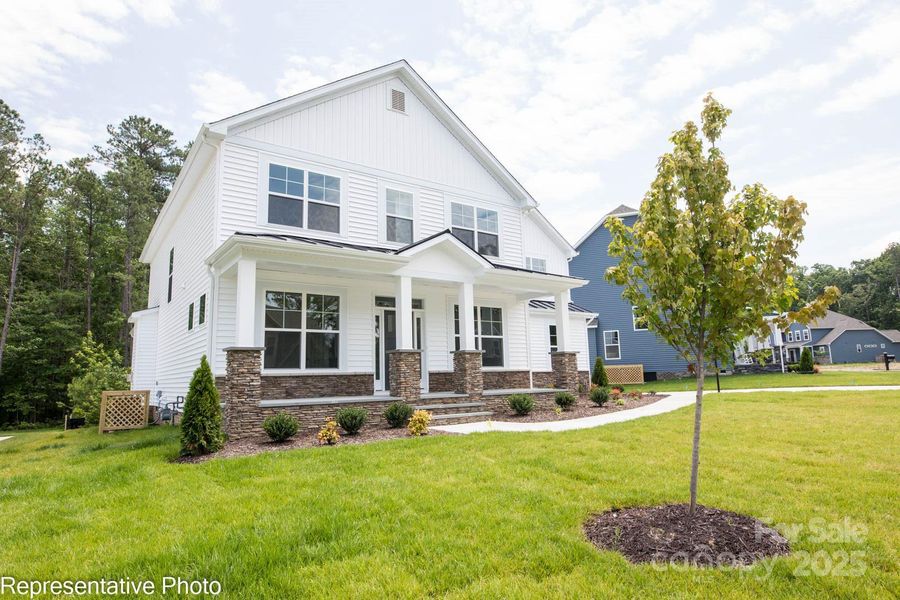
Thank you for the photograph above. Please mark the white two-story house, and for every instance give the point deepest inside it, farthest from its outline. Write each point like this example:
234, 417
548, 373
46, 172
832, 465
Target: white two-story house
355, 244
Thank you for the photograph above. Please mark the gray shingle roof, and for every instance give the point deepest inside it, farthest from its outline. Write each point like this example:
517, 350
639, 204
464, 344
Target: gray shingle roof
838, 324
891, 334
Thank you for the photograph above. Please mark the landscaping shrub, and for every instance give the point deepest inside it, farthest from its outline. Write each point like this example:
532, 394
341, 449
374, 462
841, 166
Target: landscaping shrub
398, 413
418, 422
522, 404
806, 360
329, 433
618, 388
793, 368
634, 395
598, 375
565, 400
351, 419
281, 427
620, 401
201, 424
96, 370
599, 395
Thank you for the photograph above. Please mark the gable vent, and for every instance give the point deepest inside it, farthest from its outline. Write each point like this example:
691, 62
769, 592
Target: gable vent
398, 100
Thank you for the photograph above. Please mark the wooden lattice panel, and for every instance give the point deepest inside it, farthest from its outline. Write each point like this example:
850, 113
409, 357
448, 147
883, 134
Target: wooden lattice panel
126, 409
625, 374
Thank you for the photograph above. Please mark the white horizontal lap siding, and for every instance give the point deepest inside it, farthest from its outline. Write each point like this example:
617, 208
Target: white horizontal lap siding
430, 212
225, 321
362, 200
516, 336
240, 190
143, 361
179, 350
539, 334
360, 330
538, 244
358, 127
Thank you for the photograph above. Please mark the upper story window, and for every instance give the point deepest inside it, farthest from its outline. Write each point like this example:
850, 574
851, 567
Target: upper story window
299, 198
638, 321
191, 316
789, 337
399, 216
171, 266
477, 228
536, 264
806, 335
201, 316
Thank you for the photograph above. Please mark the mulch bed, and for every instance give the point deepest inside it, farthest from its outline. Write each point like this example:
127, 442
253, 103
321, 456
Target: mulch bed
583, 408
304, 439
667, 534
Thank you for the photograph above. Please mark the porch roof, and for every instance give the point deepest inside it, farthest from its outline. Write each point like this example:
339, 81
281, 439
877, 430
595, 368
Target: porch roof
433, 257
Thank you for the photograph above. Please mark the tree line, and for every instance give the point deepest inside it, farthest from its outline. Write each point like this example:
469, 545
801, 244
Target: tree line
70, 238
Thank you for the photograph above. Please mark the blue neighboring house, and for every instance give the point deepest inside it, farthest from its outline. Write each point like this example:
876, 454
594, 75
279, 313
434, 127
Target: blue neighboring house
838, 338
618, 336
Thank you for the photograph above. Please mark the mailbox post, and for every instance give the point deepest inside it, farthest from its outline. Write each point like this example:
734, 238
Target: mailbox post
888, 359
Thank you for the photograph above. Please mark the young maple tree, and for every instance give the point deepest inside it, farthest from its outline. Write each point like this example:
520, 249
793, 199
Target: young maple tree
702, 270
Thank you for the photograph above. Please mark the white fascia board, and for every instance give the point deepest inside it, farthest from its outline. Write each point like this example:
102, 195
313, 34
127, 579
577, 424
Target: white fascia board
545, 224
140, 314
236, 245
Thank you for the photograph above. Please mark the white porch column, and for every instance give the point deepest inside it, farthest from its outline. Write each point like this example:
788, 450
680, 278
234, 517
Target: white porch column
466, 303
404, 313
245, 308
563, 327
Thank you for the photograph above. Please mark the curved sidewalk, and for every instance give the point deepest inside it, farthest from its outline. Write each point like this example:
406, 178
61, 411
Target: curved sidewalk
673, 401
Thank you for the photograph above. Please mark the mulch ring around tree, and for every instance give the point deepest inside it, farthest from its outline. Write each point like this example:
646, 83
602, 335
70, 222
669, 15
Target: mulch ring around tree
305, 438
668, 535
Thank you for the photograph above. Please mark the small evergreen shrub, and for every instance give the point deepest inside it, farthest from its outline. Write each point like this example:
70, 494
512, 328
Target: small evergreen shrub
351, 419
201, 423
329, 433
398, 413
620, 401
806, 361
418, 423
565, 400
599, 395
281, 427
522, 404
598, 375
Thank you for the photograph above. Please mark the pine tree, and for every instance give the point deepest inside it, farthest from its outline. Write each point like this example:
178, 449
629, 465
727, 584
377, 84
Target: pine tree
598, 376
806, 360
201, 425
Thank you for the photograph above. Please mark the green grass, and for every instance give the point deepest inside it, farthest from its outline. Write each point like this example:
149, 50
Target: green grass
489, 515
776, 380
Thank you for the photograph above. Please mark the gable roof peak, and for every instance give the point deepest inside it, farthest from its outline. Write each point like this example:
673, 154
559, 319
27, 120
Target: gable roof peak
623, 210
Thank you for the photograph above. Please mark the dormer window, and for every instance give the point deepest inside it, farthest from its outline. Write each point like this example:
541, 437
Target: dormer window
301, 198
478, 228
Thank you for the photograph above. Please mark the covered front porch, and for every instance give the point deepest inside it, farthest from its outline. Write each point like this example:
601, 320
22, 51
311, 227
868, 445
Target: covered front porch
308, 326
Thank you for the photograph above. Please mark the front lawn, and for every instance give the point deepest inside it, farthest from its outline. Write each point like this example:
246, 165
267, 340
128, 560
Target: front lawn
776, 380
488, 515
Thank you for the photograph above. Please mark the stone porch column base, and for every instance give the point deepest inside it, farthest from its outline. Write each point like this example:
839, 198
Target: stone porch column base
406, 374
242, 391
467, 375
565, 370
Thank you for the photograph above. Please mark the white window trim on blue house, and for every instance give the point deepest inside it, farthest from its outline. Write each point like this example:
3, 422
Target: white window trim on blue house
618, 344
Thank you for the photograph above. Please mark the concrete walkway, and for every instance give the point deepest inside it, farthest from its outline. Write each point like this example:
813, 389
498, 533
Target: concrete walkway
673, 401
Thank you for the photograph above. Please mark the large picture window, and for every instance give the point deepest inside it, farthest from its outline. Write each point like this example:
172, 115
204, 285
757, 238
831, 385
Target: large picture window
477, 228
299, 198
302, 331
488, 333
611, 348
399, 216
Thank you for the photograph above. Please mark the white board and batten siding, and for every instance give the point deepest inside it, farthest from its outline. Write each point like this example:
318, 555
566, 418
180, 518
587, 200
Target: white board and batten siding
178, 350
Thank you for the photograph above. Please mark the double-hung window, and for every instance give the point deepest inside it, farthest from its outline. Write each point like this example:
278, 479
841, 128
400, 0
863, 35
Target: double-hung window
790, 336
477, 228
488, 333
536, 264
554, 341
302, 331
638, 321
611, 348
398, 216
806, 335
307, 199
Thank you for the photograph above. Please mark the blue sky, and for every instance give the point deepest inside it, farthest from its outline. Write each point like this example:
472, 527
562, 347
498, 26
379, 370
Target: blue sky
576, 98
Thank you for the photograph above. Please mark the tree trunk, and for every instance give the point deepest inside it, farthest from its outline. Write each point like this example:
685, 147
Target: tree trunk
89, 280
13, 275
698, 413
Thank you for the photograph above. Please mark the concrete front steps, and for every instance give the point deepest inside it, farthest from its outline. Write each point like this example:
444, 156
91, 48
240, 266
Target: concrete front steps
447, 408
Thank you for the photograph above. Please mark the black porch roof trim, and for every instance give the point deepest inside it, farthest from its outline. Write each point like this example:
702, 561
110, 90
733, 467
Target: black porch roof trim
385, 250
551, 305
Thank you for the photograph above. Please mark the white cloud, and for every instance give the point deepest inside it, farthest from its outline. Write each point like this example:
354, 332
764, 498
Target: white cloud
218, 95
864, 92
39, 38
68, 137
306, 72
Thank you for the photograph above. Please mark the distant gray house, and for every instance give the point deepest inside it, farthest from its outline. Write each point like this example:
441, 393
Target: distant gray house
838, 338
617, 335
